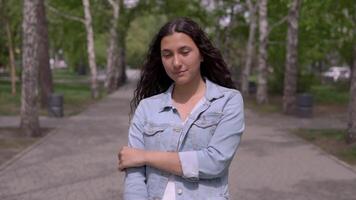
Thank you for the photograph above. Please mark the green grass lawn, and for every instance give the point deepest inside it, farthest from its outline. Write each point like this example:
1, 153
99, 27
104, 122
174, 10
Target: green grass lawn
324, 95
331, 141
75, 90
330, 94
274, 104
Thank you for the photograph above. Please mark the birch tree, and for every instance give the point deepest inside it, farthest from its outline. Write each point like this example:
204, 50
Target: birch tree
112, 70
29, 95
90, 49
350, 14
351, 126
87, 21
250, 48
262, 96
291, 67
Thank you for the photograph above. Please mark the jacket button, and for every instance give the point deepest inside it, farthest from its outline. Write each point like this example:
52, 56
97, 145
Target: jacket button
180, 191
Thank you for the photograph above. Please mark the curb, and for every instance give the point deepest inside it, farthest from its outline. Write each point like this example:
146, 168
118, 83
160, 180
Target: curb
26, 150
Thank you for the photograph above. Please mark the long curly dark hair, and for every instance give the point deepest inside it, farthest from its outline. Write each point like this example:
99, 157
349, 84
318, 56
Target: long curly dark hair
154, 80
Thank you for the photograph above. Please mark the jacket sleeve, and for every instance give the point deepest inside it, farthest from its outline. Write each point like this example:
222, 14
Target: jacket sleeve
214, 160
135, 179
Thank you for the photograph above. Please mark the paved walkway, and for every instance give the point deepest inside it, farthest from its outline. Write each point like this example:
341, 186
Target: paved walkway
77, 161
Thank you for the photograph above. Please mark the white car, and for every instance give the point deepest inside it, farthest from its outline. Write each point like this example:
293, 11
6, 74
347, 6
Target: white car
337, 73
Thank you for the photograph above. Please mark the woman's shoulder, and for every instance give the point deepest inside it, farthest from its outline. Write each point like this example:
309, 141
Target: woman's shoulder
228, 92
152, 102
154, 98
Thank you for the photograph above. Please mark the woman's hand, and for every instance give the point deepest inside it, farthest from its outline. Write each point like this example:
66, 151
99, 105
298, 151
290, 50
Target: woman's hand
131, 157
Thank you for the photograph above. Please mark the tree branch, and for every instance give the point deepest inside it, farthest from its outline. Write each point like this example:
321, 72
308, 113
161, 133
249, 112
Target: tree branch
280, 22
65, 15
113, 4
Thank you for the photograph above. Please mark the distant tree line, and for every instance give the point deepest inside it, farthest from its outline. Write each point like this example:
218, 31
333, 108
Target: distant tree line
275, 44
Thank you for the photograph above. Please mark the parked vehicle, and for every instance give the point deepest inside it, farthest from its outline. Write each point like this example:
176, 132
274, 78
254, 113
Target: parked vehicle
337, 73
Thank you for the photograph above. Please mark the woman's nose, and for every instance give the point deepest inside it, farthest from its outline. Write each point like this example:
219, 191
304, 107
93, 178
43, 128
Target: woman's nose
176, 61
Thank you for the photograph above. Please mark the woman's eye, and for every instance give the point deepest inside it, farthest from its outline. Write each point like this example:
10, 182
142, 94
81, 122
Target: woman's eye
185, 53
166, 55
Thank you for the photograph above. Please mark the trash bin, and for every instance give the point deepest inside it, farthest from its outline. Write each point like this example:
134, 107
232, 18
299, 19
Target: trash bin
55, 105
252, 87
305, 105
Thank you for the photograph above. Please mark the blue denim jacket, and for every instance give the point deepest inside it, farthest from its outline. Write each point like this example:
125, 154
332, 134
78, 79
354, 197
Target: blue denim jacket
206, 144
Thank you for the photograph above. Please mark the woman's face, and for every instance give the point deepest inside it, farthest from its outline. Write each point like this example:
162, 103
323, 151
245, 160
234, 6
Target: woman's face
181, 58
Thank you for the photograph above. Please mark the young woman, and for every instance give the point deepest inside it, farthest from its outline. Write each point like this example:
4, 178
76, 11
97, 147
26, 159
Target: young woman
188, 120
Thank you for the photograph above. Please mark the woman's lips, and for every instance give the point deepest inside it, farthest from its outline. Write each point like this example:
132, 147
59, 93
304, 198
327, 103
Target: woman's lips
179, 73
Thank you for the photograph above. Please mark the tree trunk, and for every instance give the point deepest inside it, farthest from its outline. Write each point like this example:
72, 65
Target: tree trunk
46, 83
91, 50
290, 73
113, 57
29, 95
11, 58
122, 77
125, 18
250, 49
262, 95
351, 128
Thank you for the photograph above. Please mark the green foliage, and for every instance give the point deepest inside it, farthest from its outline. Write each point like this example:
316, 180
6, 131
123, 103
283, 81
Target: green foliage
331, 94
9, 105
65, 34
139, 36
11, 13
316, 27
101, 42
325, 27
70, 36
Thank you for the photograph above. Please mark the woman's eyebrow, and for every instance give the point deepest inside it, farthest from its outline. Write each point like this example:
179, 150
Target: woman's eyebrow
185, 47
165, 50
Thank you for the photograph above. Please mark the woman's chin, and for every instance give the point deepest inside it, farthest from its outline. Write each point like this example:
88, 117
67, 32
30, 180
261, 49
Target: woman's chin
181, 80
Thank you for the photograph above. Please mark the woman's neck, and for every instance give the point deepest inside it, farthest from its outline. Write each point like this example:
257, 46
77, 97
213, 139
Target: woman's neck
192, 90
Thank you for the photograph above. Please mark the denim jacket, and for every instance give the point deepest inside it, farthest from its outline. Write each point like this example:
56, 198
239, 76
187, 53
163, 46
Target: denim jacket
206, 144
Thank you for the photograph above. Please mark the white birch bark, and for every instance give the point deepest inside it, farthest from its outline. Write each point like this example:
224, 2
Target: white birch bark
29, 95
351, 126
250, 48
291, 69
90, 49
112, 64
262, 88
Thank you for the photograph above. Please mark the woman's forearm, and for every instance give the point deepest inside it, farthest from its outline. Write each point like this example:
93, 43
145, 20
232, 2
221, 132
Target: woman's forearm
165, 161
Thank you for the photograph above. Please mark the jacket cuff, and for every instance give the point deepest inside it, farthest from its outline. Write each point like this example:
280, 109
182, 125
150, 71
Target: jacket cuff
189, 164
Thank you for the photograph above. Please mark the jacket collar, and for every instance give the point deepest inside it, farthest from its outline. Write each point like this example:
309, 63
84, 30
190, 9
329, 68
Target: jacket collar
212, 93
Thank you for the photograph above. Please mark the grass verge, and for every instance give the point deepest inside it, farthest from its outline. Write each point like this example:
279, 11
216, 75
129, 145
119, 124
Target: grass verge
273, 106
13, 142
75, 89
331, 141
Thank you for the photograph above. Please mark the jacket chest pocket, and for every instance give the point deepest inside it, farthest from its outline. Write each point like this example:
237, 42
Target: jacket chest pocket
153, 136
203, 129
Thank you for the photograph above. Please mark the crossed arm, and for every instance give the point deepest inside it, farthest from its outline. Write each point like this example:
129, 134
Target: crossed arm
166, 161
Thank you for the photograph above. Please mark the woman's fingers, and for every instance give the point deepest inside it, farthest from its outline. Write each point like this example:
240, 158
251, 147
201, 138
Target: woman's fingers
130, 157
120, 160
